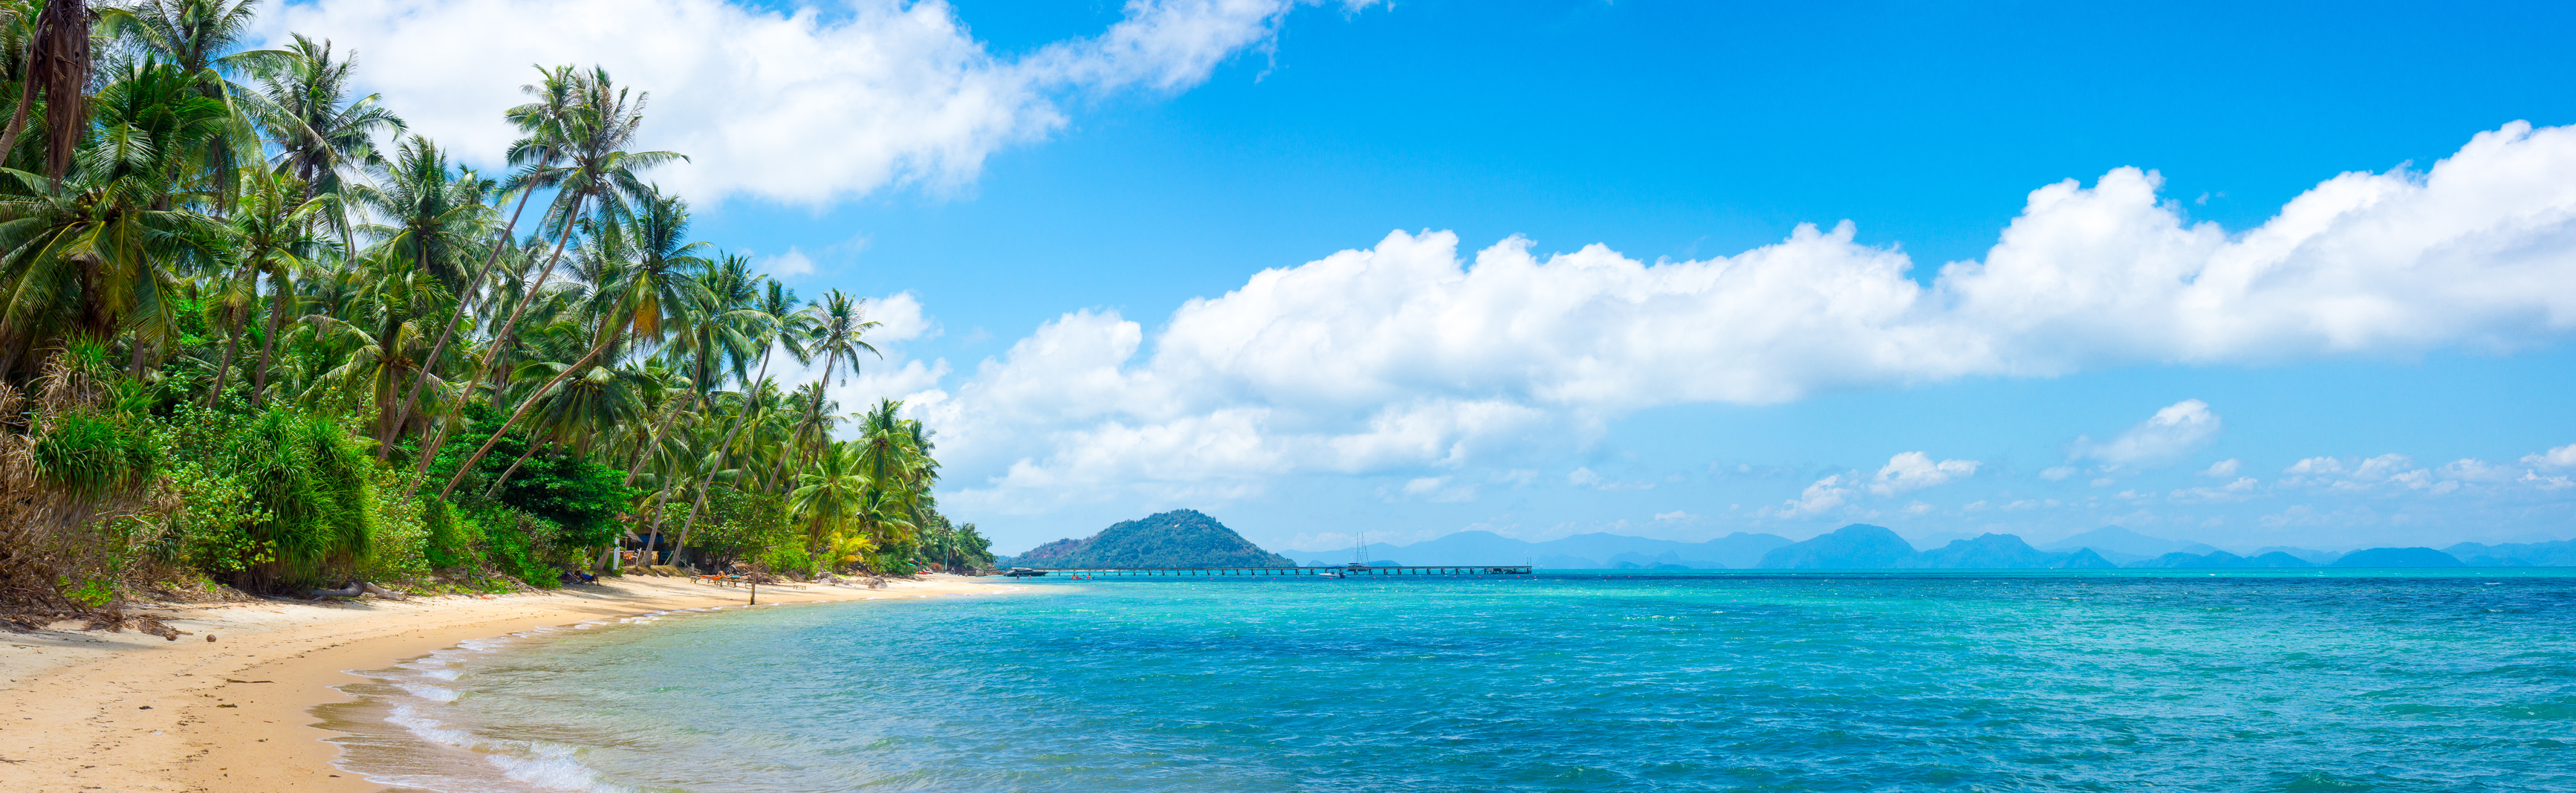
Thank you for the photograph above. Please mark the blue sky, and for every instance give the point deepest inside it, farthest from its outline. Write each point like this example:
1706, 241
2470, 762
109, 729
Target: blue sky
1038, 192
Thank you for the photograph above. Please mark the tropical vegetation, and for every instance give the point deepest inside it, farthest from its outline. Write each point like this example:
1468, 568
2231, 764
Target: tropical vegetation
255, 331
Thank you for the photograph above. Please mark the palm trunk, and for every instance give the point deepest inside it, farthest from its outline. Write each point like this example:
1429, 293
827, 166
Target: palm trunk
268, 345
223, 369
522, 412
514, 467
26, 97
501, 339
694, 506
654, 538
412, 401
811, 414
429, 450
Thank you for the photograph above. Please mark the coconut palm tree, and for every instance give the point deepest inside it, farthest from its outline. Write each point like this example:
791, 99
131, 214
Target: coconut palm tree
830, 495
320, 133
534, 155
633, 303
593, 137
87, 257
57, 66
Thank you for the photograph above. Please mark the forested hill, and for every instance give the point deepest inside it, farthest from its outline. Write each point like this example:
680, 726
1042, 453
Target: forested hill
1179, 538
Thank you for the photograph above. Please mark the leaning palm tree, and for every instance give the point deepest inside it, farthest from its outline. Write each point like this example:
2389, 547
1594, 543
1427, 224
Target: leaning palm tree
593, 137
770, 326
534, 155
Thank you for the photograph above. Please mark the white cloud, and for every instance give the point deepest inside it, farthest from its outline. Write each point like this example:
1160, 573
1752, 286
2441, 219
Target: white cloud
1438, 489
2223, 468
1915, 471
1824, 495
2057, 473
1675, 516
2172, 432
2561, 457
2315, 466
2474, 470
819, 104
791, 264
1407, 354
2239, 490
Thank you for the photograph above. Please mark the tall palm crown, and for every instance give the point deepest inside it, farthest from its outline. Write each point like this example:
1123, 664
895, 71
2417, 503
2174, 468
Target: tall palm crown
435, 213
322, 135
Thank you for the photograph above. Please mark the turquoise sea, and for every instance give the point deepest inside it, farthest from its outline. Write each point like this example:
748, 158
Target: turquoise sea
1718, 681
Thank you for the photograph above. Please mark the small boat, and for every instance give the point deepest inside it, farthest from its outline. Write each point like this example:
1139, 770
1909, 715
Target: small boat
1023, 572
1359, 562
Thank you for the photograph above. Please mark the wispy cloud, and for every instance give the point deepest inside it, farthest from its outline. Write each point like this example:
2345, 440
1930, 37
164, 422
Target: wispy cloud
803, 106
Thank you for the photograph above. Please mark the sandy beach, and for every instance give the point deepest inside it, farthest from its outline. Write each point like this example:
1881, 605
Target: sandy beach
128, 711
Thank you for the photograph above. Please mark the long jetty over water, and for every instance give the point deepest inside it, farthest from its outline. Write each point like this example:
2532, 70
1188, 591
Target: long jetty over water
1397, 570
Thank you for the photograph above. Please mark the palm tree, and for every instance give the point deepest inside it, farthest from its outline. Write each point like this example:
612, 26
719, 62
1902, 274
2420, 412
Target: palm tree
836, 328
436, 214
58, 66
321, 134
535, 155
830, 494
593, 137
269, 235
200, 38
87, 257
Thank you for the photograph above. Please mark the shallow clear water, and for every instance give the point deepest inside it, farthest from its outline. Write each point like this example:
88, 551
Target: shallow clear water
2114, 681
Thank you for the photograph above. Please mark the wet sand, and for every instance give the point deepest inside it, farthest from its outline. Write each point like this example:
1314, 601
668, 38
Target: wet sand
128, 711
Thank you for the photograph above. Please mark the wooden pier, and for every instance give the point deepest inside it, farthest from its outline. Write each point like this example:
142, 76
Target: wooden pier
1345, 571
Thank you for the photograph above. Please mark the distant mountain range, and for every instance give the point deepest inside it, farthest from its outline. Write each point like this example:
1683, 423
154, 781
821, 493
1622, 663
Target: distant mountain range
1579, 552
1865, 547
1179, 538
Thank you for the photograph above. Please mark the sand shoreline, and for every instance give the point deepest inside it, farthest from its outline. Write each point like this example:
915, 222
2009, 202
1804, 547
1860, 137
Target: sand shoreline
128, 711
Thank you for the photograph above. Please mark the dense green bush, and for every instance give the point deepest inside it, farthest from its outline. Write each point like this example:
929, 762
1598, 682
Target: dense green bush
269, 500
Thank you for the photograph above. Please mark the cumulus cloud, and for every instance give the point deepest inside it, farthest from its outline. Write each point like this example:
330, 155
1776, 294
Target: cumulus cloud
2172, 432
1438, 489
2223, 468
791, 264
1915, 471
806, 106
1817, 499
2561, 457
1408, 354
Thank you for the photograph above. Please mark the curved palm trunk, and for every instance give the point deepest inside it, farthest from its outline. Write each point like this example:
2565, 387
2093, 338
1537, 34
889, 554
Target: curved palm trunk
412, 401
223, 368
522, 412
268, 345
722, 450
514, 467
812, 414
436, 437
654, 538
501, 339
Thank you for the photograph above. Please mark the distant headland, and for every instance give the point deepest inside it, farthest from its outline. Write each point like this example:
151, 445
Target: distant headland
1179, 538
